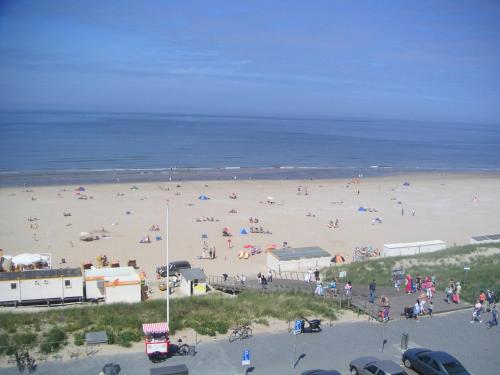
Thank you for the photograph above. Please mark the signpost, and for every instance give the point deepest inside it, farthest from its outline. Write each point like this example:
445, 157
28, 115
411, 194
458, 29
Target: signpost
246, 358
297, 329
465, 273
342, 274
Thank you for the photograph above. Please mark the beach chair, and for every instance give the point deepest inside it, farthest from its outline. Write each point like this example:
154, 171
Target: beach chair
241, 254
247, 255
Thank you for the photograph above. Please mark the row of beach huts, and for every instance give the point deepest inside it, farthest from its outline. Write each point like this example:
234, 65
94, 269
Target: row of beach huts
65, 285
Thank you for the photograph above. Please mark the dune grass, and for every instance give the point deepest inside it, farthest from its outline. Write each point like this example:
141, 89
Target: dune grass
208, 315
447, 264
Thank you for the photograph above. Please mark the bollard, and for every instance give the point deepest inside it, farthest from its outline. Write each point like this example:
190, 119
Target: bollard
404, 341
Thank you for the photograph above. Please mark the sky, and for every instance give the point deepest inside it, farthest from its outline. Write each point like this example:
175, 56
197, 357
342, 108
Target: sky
416, 60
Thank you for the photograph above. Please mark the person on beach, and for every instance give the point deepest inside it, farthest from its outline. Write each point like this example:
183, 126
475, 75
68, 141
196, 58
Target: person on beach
402, 212
348, 289
416, 310
316, 275
430, 308
494, 316
449, 294
243, 279
269, 276
408, 283
476, 313
372, 287
259, 277
225, 276
333, 287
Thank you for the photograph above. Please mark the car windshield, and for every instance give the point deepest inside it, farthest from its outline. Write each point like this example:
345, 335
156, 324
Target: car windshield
454, 368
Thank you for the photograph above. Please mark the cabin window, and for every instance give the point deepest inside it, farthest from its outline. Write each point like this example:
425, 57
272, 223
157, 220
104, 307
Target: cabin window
67, 283
13, 286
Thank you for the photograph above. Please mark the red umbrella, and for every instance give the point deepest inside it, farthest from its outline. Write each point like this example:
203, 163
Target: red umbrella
248, 246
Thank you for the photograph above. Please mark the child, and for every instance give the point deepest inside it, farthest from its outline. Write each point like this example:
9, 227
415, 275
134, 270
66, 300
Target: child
430, 308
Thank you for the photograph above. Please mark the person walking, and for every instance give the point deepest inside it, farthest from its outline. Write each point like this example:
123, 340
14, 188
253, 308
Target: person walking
269, 276
316, 275
494, 316
430, 308
372, 287
348, 289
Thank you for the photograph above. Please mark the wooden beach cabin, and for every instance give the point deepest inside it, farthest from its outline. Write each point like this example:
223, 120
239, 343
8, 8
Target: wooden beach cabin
117, 284
300, 258
193, 282
41, 286
412, 248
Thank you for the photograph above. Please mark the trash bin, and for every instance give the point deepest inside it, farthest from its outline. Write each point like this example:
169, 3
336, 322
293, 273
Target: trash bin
404, 341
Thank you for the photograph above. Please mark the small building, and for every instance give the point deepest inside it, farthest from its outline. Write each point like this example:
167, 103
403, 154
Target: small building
41, 286
113, 284
193, 282
485, 239
295, 259
412, 248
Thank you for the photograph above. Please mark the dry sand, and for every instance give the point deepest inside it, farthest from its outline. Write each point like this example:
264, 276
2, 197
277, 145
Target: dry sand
444, 206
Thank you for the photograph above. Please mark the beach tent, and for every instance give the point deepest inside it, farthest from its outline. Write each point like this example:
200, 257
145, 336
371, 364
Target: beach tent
338, 259
28, 259
203, 198
406, 184
81, 188
134, 188
243, 231
361, 209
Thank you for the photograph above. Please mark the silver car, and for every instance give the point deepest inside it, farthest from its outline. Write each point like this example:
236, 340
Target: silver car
374, 366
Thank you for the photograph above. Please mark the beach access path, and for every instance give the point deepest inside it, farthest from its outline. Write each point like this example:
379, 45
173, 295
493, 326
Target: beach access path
333, 348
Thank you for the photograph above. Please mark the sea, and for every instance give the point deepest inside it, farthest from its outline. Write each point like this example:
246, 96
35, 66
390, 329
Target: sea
41, 148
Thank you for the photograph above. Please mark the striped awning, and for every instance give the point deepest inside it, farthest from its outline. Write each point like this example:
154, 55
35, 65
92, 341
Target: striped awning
155, 327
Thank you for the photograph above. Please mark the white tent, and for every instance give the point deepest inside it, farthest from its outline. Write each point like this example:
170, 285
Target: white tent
27, 259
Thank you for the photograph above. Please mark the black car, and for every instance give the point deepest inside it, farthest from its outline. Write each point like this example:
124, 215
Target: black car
428, 362
174, 268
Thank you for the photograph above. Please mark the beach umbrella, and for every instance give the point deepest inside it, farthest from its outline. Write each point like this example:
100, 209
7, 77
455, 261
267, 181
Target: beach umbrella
338, 259
203, 197
248, 246
226, 229
406, 184
81, 188
361, 209
111, 369
243, 231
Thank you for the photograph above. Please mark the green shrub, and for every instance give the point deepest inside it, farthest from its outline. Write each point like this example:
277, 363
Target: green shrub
55, 339
79, 339
125, 337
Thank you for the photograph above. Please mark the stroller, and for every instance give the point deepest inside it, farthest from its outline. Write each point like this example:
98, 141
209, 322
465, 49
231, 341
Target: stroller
408, 312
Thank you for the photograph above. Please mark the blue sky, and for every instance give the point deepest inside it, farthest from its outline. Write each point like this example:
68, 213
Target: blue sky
434, 60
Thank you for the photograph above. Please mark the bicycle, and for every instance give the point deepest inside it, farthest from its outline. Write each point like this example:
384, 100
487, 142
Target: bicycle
183, 349
241, 332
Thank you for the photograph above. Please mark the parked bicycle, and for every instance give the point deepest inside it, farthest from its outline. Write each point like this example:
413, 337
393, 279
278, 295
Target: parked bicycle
183, 349
240, 332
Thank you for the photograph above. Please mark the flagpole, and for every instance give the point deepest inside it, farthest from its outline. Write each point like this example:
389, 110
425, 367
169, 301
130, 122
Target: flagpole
168, 273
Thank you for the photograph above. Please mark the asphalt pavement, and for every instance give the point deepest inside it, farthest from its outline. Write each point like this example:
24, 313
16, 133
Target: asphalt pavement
474, 345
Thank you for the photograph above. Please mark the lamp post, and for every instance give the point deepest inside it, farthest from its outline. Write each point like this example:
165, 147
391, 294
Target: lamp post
168, 273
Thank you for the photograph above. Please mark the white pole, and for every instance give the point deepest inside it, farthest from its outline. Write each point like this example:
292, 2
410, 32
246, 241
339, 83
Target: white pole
168, 274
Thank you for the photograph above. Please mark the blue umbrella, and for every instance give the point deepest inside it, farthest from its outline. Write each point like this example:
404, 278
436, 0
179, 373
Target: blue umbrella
243, 231
203, 198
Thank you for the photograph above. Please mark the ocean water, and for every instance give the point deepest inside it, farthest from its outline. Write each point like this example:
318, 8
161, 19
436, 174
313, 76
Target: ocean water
40, 147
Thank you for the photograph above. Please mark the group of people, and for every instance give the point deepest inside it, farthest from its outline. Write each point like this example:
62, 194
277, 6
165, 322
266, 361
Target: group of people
265, 279
311, 276
417, 284
453, 291
485, 303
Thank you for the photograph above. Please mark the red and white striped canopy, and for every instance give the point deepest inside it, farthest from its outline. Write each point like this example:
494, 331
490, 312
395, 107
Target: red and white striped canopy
155, 327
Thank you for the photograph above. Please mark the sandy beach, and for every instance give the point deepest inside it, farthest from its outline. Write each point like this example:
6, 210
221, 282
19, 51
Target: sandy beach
449, 207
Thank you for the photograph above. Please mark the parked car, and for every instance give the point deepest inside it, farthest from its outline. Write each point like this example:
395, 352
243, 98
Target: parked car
174, 268
428, 362
374, 366
321, 372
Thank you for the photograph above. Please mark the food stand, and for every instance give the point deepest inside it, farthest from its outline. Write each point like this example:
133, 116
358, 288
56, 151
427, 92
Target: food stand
156, 340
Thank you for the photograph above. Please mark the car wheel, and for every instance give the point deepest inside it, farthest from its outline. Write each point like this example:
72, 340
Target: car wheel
407, 363
354, 371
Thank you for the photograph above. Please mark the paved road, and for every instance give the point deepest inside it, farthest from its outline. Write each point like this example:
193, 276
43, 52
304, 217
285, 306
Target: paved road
473, 344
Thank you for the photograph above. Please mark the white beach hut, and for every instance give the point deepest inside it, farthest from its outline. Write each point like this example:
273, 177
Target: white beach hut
412, 248
120, 284
295, 259
41, 286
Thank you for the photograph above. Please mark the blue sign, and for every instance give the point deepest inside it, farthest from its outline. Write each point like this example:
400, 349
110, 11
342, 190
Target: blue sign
246, 358
298, 327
